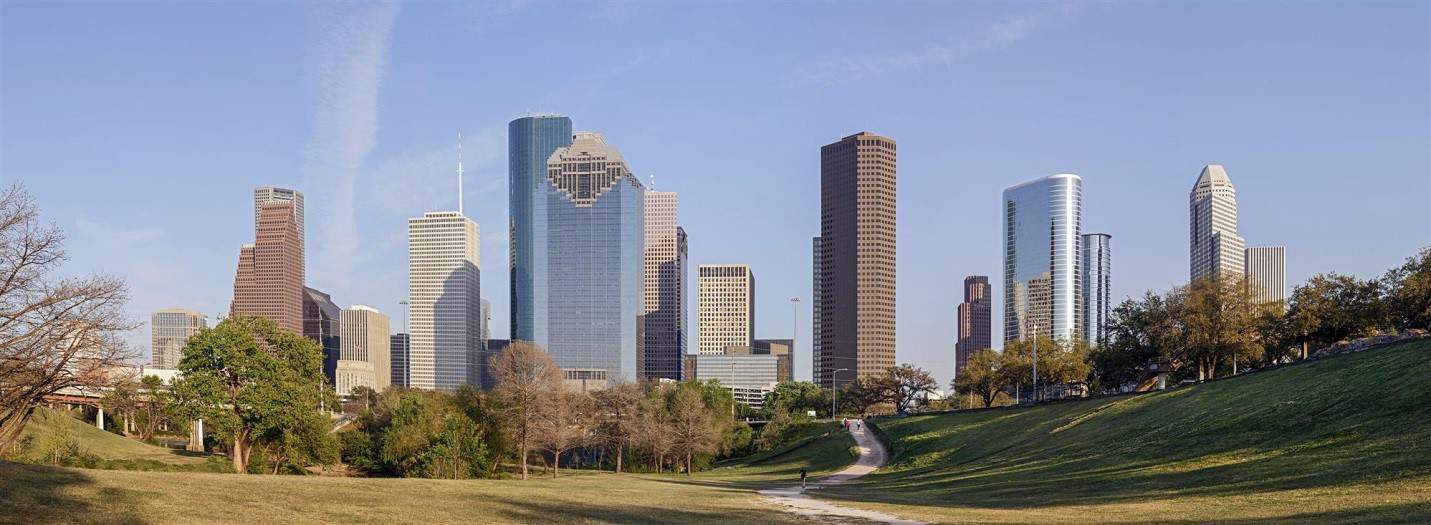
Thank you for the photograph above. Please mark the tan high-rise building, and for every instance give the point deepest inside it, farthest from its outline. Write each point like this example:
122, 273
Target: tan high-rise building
169, 330
364, 358
1266, 269
665, 294
269, 279
725, 308
1214, 245
444, 301
854, 331
975, 321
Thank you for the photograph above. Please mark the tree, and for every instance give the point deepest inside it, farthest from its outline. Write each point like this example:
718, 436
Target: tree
906, 385
654, 428
1330, 307
859, 395
1060, 361
565, 424
1408, 292
798, 397
618, 423
255, 384
1218, 317
980, 377
1140, 333
525, 376
692, 429
55, 333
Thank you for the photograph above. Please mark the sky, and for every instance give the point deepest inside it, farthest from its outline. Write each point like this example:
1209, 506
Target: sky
142, 130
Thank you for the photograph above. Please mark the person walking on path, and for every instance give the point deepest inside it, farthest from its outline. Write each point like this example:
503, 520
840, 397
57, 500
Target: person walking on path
803, 473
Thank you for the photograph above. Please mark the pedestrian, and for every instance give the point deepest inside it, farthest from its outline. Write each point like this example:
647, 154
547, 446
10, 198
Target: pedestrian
857, 424
802, 479
845, 423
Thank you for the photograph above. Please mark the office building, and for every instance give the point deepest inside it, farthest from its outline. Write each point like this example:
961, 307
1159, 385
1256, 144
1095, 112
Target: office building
665, 289
748, 376
1266, 269
365, 340
784, 352
975, 321
1042, 230
495, 347
321, 319
688, 367
398, 348
594, 241
1214, 245
1097, 291
269, 279
444, 301
486, 331
725, 307
169, 330
530, 142
854, 332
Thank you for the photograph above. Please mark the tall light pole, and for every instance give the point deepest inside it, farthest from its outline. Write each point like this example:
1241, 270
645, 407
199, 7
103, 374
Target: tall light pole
1035, 363
406, 347
835, 391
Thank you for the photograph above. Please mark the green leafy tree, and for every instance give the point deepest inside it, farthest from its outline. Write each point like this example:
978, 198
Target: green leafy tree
907, 385
1408, 292
857, 396
1140, 332
1219, 320
254, 384
1330, 307
798, 397
981, 377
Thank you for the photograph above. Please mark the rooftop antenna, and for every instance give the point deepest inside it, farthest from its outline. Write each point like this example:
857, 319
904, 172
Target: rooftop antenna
459, 173
653, 182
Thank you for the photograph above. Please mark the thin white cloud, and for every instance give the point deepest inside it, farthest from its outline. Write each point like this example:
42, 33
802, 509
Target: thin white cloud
116, 233
994, 35
349, 53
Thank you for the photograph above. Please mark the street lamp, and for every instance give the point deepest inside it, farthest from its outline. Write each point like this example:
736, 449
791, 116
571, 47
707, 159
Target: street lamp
835, 391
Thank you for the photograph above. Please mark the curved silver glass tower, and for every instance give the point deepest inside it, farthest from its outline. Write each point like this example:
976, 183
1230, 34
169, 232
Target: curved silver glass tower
1097, 286
1042, 227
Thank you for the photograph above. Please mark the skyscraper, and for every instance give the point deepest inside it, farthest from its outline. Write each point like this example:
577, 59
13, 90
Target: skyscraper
321, 317
1042, 228
365, 342
444, 300
269, 279
976, 330
783, 350
486, 331
855, 260
397, 349
594, 229
169, 330
530, 142
725, 308
1266, 269
1096, 285
665, 283
1214, 245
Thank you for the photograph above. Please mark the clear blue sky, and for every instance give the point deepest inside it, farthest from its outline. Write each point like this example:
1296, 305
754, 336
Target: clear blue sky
142, 129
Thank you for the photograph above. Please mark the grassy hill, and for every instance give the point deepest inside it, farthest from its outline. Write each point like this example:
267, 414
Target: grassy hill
103, 444
1346, 439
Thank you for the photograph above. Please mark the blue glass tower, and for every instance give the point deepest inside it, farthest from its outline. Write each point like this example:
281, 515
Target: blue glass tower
530, 140
1042, 228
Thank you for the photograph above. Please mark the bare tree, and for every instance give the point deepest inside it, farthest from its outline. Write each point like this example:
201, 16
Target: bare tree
565, 424
618, 418
526, 378
55, 334
653, 429
692, 429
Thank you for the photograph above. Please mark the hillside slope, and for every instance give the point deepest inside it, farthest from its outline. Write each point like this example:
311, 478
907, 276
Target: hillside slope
106, 445
1346, 439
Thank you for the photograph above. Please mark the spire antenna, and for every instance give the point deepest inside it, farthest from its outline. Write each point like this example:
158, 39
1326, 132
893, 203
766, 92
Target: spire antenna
459, 173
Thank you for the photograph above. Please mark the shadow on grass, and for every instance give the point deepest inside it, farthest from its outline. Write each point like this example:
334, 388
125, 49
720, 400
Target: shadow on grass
537, 511
42, 495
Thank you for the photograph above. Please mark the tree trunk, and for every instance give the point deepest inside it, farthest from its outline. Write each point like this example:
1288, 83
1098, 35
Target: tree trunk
556, 462
524, 456
618, 459
1304, 349
237, 453
660, 458
688, 464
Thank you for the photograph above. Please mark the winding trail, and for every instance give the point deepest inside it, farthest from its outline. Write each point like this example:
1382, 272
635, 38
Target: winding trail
872, 456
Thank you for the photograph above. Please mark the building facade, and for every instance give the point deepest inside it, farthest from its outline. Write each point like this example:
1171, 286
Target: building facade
398, 348
530, 142
665, 289
321, 319
169, 330
1097, 287
725, 308
854, 286
1214, 247
365, 340
594, 237
748, 376
1266, 269
269, 279
444, 301
784, 352
975, 321
1042, 231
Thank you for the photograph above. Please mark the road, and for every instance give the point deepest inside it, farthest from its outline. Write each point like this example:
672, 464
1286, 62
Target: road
872, 456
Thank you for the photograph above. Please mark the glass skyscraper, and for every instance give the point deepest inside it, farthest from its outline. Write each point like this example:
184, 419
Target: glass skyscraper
1096, 287
1042, 223
592, 274
530, 141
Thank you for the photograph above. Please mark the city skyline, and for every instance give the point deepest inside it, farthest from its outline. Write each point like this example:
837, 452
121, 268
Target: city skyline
1285, 159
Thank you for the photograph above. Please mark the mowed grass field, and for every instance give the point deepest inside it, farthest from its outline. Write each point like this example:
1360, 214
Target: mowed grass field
43, 495
1340, 440
104, 444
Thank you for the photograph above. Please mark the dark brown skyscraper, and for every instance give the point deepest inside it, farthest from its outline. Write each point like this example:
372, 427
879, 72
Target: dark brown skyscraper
855, 260
269, 280
976, 324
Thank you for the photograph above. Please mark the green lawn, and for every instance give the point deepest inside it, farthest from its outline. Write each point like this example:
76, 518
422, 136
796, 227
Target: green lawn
1346, 439
104, 444
820, 448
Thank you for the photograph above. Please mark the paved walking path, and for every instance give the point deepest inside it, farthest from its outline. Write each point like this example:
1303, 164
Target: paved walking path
872, 456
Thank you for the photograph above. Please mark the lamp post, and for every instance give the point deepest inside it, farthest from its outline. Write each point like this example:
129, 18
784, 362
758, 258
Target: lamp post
1035, 363
835, 391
